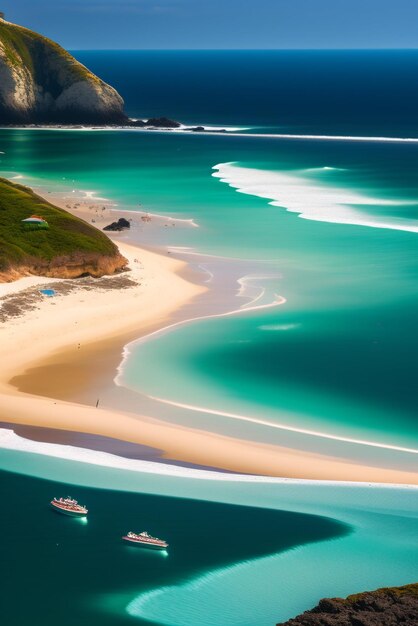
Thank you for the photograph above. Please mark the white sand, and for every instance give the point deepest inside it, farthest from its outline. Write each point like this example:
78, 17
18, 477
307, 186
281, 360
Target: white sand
88, 318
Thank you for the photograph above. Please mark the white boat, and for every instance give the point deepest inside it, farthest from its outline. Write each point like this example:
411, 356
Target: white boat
68, 506
144, 540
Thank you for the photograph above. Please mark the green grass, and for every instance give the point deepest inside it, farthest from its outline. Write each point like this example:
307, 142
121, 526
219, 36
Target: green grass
14, 46
67, 235
20, 46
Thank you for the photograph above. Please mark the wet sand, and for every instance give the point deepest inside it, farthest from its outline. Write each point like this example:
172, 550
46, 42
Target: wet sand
59, 353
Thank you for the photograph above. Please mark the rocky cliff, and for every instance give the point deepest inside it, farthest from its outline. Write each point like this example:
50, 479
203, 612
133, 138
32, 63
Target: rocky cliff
42, 82
393, 606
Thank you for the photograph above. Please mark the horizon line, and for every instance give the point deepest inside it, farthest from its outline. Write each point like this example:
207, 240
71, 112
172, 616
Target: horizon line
408, 49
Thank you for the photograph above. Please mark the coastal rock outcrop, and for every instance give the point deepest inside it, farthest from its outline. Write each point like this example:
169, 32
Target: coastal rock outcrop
42, 82
162, 122
154, 122
121, 224
392, 606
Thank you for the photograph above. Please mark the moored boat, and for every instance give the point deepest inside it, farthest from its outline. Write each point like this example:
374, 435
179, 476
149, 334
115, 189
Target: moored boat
144, 540
68, 506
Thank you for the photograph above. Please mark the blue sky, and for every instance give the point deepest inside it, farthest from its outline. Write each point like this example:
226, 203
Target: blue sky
220, 24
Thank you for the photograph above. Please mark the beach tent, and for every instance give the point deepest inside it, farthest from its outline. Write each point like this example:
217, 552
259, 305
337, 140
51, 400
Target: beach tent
34, 222
48, 292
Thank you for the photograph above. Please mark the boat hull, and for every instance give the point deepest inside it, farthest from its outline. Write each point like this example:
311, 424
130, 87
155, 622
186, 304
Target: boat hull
69, 513
147, 546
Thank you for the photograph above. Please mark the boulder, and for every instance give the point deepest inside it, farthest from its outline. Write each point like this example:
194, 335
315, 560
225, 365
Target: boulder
121, 224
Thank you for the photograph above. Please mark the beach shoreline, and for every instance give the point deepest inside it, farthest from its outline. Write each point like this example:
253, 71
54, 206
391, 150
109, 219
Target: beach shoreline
59, 354
224, 131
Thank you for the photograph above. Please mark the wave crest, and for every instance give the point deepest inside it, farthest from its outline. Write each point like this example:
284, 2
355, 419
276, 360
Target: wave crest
311, 200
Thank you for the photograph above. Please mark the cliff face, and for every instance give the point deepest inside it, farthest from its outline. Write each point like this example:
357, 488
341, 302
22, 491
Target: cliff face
384, 607
67, 266
42, 82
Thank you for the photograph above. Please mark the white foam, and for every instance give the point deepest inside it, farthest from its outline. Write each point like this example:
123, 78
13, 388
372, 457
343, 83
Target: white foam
285, 427
232, 132
92, 195
229, 129
9, 440
245, 308
278, 327
187, 128
336, 137
326, 168
312, 200
255, 293
180, 220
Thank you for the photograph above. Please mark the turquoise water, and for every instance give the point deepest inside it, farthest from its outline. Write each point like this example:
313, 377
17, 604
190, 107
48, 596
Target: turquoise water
243, 552
101, 575
335, 356
350, 289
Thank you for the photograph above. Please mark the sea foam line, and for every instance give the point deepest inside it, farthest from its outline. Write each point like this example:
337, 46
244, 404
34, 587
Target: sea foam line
230, 133
11, 441
279, 426
330, 137
311, 200
187, 220
246, 308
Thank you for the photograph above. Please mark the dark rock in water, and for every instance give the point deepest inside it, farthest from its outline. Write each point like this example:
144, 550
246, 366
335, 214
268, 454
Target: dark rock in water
135, 123
202, 129
162, 122
153, 122
121, 224
392, 606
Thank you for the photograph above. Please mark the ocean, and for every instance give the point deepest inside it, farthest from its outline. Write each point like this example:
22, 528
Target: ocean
323, 92
319, 235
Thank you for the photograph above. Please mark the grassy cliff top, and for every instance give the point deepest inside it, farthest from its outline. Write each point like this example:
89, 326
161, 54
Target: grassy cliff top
67, 235
42, 82
20, 45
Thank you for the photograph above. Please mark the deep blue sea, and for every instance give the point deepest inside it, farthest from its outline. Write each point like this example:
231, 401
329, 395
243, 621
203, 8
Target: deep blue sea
320, 92
319, 236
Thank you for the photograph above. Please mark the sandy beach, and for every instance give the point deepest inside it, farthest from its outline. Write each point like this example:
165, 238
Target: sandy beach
54, 347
